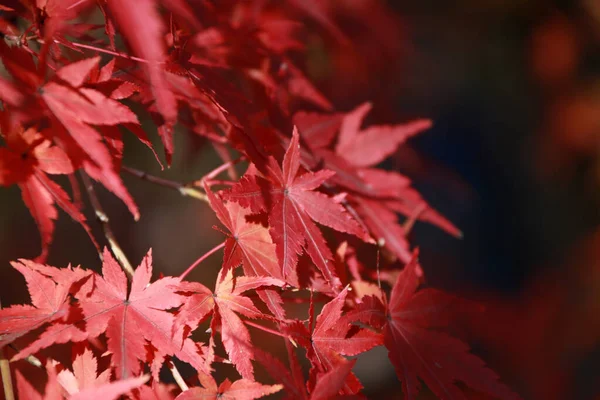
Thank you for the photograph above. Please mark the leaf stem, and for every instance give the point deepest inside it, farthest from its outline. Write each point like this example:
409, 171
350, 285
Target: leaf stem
265, 329
202, 258
212, 174
182, 188
105, 51
102, 217
9, 393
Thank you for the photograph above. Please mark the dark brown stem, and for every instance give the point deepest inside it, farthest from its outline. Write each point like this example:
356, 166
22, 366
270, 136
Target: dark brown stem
102, 217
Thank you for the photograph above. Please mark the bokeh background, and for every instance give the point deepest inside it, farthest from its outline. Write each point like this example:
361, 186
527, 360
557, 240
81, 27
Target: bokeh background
513, 159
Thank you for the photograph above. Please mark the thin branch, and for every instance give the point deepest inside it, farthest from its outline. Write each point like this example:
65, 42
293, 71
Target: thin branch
101, 50
9, 394
212, 174
202, 258
182, 188
177, 376
102, 217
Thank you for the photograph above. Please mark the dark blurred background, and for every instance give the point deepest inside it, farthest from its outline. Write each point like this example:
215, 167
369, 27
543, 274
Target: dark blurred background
513, 159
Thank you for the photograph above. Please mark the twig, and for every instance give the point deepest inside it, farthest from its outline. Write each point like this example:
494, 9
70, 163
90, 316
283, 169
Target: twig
177, 376
182, 188
101, 50
199, 260
212, 174
9, 394
104, 222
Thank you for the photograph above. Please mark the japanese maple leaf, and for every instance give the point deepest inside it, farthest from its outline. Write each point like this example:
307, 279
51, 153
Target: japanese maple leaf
144, 31
25, 161
417, 351
51, 392
84, 374
369, 147
48, 288
243, 389
130, 322
106, 391
73, 108
250, 245
292, 204
77, 107
332, 337
225, 304
376, 195
328, 384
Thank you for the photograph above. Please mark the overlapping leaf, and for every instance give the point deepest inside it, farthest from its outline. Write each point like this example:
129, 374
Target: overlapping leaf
48, 288
332, 338
131, 321
224, 303
417, 350
292, 205
243, 389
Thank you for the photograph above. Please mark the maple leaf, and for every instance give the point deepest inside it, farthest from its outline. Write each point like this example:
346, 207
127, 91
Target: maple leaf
365, 148
25, 161
129, 321
243, 389
106, 391
112, 390
84, 374
330, 383
376, 195
224, 303
332, 337
48, 297
417, 351
250, 245
73, 108
143, 29
292, 205
76, 108
290, 377
51, 392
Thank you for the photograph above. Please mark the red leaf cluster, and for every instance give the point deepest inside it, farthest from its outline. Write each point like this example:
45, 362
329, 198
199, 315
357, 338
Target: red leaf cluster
312, 196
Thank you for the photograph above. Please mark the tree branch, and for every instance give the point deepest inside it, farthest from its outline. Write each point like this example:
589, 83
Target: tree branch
102, 217
182, 188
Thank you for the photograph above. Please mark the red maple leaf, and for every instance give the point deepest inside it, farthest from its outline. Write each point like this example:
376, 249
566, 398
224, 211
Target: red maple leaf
48, 295
328, 384
25, 161
417, 350
225, 303
54, 389
293, 204
131, 322
331, 383
84, 375
250, 245
243, 389
73, 107
376, 195
333, 337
